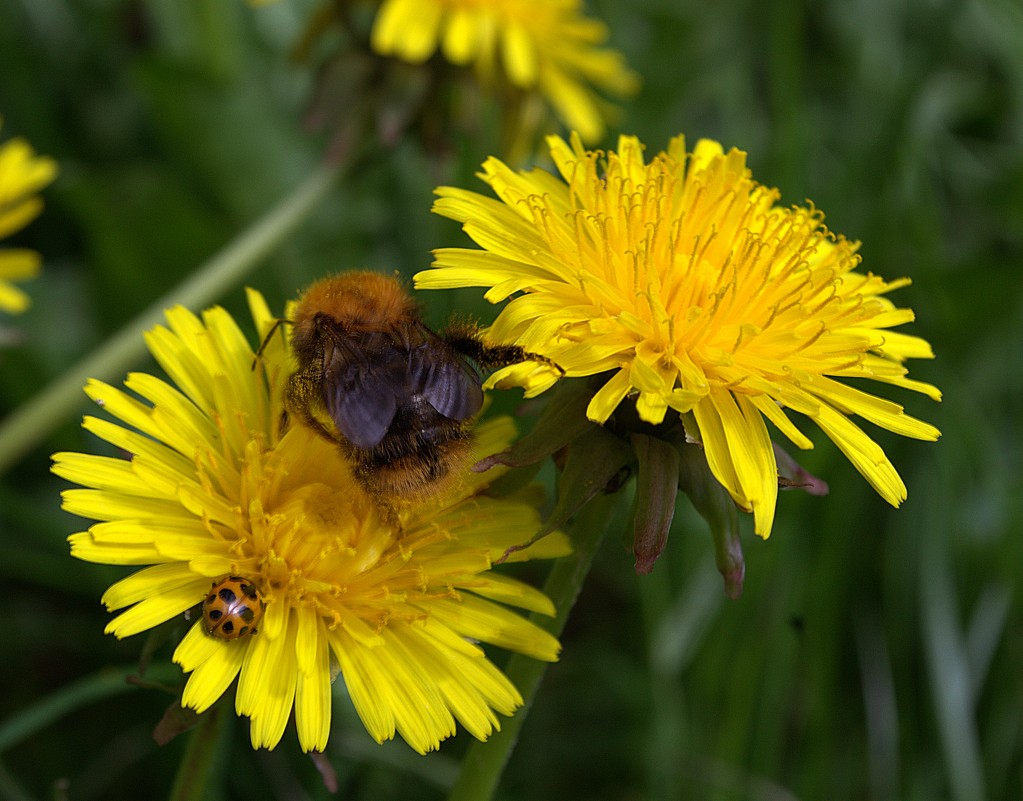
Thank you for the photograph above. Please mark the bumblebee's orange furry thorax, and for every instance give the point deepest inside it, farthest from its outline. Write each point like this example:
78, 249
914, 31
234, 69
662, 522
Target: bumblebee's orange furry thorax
361, 301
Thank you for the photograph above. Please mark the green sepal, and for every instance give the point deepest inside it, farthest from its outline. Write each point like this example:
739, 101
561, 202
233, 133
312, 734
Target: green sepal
562, 421
595, 462
176, 720
792, 475
512, 481
715, 506
657, 481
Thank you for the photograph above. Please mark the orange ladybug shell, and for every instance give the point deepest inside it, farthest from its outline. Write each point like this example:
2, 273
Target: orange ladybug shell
232, 609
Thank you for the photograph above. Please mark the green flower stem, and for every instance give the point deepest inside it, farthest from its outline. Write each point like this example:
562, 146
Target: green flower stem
190, 783
484, 762
28, 425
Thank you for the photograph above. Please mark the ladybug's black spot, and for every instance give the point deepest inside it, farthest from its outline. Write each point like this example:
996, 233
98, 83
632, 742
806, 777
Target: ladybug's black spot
227, 595
228, 627
215, 614
246, 614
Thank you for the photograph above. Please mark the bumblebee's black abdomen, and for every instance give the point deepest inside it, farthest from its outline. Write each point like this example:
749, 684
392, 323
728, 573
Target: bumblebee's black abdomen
421, 449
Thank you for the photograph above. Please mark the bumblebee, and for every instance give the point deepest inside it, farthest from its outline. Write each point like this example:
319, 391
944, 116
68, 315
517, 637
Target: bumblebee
401, 397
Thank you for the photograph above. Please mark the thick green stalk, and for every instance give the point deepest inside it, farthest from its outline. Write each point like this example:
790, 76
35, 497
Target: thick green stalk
484, 762
29, 424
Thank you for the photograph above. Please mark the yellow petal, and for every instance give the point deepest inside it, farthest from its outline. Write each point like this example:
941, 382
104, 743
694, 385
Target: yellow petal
266, 687
480, 619
212, 675
154, 611
520, 58
865, 454
358, 671
159, 580
312, 694
606, 399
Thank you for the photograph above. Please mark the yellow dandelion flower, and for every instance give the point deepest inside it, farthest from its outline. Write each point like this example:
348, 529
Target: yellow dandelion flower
22, 175
544, 46
685, 283
214, 493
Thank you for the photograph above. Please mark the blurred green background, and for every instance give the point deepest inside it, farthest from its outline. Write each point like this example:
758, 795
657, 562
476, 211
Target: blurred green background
875, 654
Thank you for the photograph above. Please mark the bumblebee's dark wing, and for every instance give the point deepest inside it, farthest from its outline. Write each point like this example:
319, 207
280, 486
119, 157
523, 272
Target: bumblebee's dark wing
362, 394
447, 382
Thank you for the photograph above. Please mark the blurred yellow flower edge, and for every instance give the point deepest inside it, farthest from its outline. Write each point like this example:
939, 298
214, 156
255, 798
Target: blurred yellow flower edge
23, 175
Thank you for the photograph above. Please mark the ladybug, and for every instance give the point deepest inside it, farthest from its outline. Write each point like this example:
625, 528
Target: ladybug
232, 609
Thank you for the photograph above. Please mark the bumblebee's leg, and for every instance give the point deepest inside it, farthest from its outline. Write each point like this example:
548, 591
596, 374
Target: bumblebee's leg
278, 322
299, 399
465, 338
283, 423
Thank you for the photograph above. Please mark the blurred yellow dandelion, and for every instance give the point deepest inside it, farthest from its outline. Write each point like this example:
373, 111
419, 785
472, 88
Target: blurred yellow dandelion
682, 282
22, 175
544, 46
214, 494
